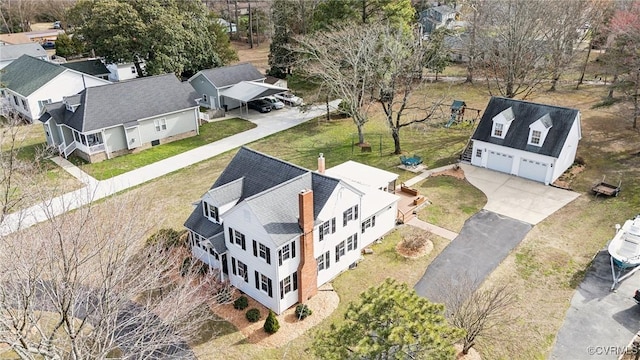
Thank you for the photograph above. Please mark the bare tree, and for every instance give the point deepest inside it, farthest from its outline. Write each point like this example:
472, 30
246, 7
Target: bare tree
341, 60
564, 20
18, 14
475, 26
83, 286
515, 61
399, 62
597, 16
478, 312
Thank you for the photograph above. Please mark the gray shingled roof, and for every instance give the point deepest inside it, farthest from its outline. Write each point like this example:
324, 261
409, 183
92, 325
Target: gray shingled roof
27, 74
93, 67
270, 186
226, 193
527, 113
201, 225
125, 102
230, 75
9, 52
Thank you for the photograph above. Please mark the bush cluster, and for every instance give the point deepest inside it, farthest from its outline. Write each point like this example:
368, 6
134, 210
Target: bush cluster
302, 311
241, 303
253, 315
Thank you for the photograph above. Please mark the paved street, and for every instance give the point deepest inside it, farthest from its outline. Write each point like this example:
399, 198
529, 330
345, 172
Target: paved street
268, 124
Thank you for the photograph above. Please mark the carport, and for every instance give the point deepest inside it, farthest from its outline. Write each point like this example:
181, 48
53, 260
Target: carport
245, 91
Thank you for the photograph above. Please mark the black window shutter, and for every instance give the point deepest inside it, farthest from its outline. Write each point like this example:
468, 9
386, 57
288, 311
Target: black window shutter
355, 212
217, 216
244, 244
333, 225
355, 241
233, 265
327, 258
280, 257
295, 280
293, 249
281, 290
344, 218
255, 248
269, 256
337, 254
257, 280
269, 288
231, 235
321, 233
373, 221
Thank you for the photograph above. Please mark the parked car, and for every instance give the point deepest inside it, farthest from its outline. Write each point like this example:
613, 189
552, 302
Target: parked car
49, 45
289, 99
57, 25
260, 104
275, 103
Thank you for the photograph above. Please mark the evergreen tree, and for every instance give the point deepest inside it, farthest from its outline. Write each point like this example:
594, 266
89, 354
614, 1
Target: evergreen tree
271, 325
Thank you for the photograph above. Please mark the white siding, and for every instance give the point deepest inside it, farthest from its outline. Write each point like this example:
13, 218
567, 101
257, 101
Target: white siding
114, 139
568, 154
122, 72
518, 155
385, 222
65, 84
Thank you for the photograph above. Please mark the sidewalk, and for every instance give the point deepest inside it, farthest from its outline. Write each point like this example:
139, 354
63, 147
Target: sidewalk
96, 190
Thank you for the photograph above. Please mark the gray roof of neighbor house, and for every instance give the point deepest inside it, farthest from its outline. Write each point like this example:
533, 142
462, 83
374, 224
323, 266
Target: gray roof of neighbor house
126, 102
270, 187
230, 75
93, 67
9, 52
527, 113
27, 74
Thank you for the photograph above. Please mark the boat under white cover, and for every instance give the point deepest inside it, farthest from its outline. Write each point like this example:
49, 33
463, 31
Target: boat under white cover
624, 248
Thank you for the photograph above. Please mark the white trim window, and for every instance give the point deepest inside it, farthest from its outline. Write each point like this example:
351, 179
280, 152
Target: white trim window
211, 212
160, 124
240, 270
263, 283
340, 250
289, 284
498, 129
352, 242
326, 228
369, 223
205, 98
324, 261
236, 237
479, 153
288, 251
262, 251
42, 103
349, 214
536, 136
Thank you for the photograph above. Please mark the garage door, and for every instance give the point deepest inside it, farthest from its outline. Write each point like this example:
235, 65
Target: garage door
500, 162
534, 170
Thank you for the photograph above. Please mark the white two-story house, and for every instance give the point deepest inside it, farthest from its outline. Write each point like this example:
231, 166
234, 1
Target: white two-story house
526, 139
277, 231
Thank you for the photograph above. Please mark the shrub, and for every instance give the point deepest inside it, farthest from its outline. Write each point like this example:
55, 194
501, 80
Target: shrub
241, 303
302, 311
253, 315
271, 325
167, 238
186, 266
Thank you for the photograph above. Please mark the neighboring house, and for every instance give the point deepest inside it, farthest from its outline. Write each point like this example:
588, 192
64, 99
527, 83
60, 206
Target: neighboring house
530, 140
278, 231
212, 83
231, 27
121, 72
29, 83
436, 17
107, 121
14, 39
272, 80
8, 53
94, 67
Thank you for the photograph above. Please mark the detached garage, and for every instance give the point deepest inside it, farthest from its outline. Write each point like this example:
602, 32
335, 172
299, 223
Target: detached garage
529, 140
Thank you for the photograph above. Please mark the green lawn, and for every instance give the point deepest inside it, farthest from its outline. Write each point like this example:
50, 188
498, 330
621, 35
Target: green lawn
209, 132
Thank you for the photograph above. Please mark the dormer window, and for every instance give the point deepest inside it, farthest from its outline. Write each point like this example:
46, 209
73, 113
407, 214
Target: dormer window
535, 137
501, 123
497, 130
538, 130
211, 212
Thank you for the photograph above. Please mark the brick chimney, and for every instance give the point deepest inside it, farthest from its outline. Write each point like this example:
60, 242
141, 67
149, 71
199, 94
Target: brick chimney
308, 268
321, 166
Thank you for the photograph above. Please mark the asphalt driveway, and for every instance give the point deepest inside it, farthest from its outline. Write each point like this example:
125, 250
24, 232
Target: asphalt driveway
599, 322
485, 240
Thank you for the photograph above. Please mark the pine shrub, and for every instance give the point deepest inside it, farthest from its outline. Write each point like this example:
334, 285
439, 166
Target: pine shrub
271, 325
302, 311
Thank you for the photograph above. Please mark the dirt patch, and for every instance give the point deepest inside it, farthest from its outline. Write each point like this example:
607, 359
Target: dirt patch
415, 244
322, 305
565, 180
258, 55
455, 172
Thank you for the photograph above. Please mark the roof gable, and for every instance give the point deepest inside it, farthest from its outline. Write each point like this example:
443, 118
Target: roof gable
27, 74
229, 75
10, 52
527, 113
125, 102
93, 67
